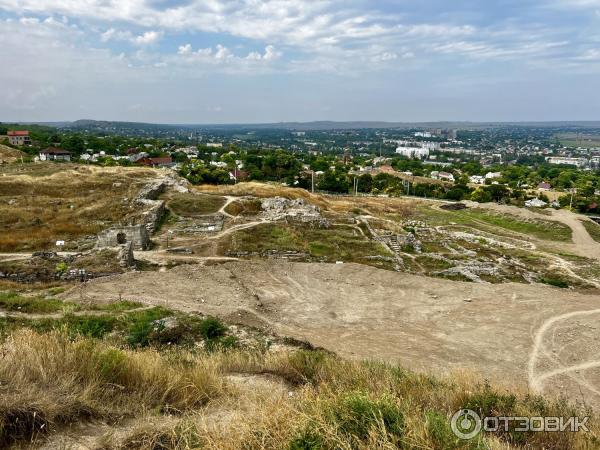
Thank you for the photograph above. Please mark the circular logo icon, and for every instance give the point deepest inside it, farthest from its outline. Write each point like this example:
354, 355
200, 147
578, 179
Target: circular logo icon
466, 424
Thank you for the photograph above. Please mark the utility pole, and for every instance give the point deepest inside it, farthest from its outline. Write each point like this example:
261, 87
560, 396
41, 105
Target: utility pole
312, 172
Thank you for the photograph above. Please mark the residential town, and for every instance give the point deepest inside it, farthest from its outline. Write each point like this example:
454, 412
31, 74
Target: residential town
541, 167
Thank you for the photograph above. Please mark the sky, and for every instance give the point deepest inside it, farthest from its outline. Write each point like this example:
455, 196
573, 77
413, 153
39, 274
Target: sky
263, 61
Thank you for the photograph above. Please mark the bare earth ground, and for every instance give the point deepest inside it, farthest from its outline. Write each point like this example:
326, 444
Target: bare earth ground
522, 335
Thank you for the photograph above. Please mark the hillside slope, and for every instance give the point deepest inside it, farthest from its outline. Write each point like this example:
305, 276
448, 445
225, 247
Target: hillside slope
9, 155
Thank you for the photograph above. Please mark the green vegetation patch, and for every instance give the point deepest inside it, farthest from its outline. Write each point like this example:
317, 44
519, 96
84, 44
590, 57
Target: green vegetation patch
338, 243
593, 229
191, 205
11, 301
244, 208
479, 218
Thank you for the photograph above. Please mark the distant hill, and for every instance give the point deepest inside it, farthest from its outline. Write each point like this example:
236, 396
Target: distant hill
133, 127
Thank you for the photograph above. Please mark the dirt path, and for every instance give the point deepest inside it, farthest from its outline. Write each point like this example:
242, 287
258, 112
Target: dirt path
583, 244
228, 200
234, 228
162, 257
362, 312
537, 380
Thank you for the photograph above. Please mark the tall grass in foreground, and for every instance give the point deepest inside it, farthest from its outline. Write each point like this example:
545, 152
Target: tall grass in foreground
49, 381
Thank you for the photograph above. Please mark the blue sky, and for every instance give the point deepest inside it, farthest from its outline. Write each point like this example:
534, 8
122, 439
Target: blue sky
244, 61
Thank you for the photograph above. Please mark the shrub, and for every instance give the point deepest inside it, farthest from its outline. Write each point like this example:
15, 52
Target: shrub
357, 415
212, 328
487, 402
140, 331
555, 282
144, 324
441, 434
303, 366
90, 326
307, 440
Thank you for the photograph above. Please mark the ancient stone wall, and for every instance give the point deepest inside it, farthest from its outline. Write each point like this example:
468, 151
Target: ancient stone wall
117, 236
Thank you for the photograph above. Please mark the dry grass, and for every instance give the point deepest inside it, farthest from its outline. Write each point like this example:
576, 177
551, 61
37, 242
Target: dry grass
192, 205
10, 155
265, 190
356, 405
49, 381
64, 203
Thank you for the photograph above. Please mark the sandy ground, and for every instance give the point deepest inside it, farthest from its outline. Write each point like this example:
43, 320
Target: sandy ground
539, 337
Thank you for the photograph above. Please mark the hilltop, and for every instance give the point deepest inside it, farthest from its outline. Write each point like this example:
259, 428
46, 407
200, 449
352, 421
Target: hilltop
267, 315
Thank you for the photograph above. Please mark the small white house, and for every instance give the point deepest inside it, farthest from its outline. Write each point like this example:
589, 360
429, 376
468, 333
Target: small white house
55, 154
492, 175
477, 179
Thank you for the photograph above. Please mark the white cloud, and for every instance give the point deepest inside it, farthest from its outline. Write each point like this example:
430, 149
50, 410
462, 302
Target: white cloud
592, 54
223, 52
385, 56
149, 37
270, 54
184, 49
222, 55
29, 20
112, 34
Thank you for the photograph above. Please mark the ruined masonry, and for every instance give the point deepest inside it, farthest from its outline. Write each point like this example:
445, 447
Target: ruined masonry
138, 234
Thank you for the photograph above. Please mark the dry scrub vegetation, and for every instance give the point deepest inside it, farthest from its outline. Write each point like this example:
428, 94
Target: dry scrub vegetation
64, 202
50, 381
10, 155
264, 190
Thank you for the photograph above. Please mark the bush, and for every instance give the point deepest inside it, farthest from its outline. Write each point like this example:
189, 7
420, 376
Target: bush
441, 435
140, 331
555, 282
357, 415
304, 366
307, 440
212, 328
143, 325
90, 326
489, 403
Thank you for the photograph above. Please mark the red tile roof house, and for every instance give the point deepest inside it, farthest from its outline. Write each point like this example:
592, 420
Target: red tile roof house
18, 137
163, 161
55, 154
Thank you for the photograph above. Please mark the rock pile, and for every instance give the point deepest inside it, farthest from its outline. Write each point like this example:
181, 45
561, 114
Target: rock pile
278, 208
